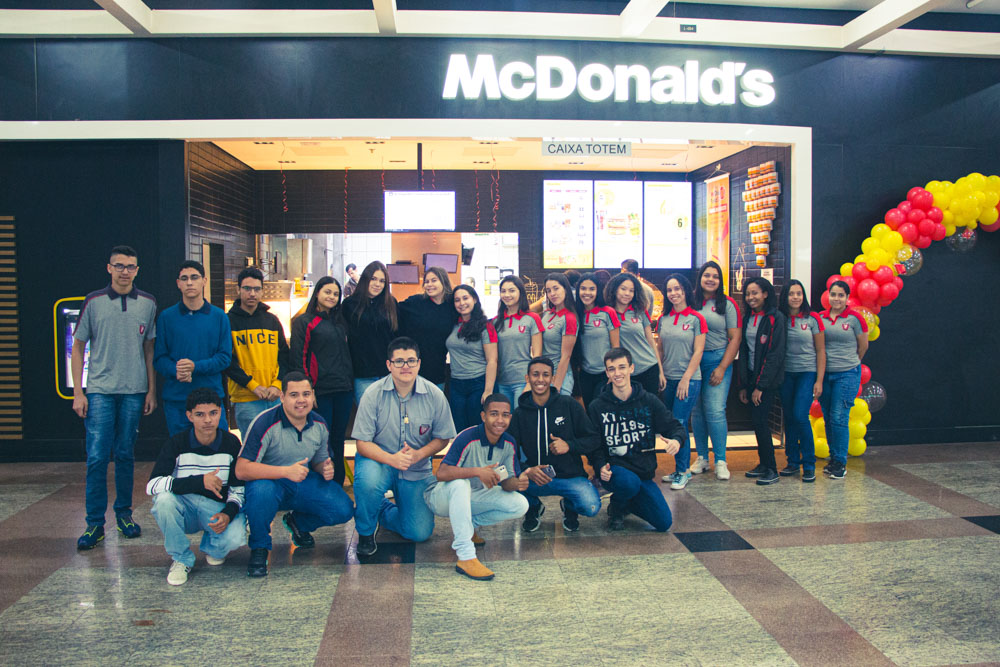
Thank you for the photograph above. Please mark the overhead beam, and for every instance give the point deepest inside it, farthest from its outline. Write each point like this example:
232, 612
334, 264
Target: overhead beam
385, 16
262, 22
884, 18
638, 14
133, 14
76, 22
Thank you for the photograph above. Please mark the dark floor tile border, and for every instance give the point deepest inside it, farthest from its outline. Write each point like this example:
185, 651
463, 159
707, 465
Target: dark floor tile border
988, 522
927, 491
713, 540
852, 533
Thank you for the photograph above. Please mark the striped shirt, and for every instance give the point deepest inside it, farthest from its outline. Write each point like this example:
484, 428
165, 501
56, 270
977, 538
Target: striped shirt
183, 463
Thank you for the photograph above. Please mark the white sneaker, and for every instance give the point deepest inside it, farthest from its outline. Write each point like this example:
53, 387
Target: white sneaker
721, 470
700, 465
211, 560
178, 574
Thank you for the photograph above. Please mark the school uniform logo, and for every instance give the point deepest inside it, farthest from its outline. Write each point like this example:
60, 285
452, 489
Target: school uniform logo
552, 326
521, 328
685, 327
847, 327
635, 320
597, 323
763, 338
804, 326
142, 329
424, 428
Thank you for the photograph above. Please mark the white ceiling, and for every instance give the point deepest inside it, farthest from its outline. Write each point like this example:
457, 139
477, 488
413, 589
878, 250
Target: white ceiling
876, 30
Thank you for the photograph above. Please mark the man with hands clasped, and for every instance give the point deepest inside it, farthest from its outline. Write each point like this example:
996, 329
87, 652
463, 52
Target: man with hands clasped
286, 464
477, 483
195, 488
553, 431
630, 421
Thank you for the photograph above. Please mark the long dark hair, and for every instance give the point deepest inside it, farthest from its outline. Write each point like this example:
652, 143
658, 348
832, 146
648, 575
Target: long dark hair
522, 304
638, 298
783, 300
581, 309
442, 275
385, 302
335, 314
720, 294
473, 329
685, 285
570, 303
770, 298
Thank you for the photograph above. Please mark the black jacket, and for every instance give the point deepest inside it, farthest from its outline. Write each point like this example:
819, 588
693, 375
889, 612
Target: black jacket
768, 352
319, 349
629, 429
368, 339
429, 324
562, 417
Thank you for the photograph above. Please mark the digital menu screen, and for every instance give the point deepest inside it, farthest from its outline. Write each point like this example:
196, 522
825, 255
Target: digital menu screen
617, 222
568, 225
668, 229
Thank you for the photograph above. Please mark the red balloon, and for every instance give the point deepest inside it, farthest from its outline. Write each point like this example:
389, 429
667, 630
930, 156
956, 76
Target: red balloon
851, 302
883, 275
926, 227
868, 291
887, 294
909, 232
898, 282
924, 200
851, 282
923, 242
990, 228
866, 373
915, 216
825, 299
875, 309
939, 233
832, 279
894, 218
935, 214
815, 410
905, 207
859, 392
911, 194
860, 272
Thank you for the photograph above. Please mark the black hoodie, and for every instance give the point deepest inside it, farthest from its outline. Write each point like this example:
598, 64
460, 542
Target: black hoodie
768, 352
629, 429
562, 417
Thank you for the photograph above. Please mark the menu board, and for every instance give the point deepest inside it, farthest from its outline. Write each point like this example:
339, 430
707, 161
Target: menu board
668, 226
617, 222
568, 223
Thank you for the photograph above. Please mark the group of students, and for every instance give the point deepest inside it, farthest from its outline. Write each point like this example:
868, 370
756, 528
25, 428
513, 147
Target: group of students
292, 403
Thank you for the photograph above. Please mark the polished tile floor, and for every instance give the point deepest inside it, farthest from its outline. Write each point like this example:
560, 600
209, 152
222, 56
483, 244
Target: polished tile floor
896, 564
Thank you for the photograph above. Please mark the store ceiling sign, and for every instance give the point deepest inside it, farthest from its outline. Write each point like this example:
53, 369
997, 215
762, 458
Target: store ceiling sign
588, 148
554, 78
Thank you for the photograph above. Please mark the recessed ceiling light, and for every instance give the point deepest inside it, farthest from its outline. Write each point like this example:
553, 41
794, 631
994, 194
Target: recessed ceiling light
286, 161
397, 161
264, 143
374, 142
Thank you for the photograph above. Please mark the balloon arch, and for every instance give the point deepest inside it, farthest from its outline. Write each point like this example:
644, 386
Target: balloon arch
939, 211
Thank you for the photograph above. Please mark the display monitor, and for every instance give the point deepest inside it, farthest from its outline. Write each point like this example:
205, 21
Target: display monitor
419, 211
568, 224
667, 243
617, 222
447, 262
404, 274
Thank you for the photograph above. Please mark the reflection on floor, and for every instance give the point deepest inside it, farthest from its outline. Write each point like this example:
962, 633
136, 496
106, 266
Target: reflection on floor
896, 564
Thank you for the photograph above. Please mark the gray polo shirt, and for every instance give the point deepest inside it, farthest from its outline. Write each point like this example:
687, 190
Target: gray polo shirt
595, 337
718, 323
273, 440
678, 332
514, 348
389, 421
555, 325
632, 336
472, 449
117, 326
841, 335
468, 358
800, 346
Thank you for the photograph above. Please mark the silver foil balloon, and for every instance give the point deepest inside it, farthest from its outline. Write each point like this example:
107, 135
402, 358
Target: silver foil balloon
962, 241
873, 394
913, 265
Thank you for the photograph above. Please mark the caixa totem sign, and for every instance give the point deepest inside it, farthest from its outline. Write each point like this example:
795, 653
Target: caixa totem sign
553, 78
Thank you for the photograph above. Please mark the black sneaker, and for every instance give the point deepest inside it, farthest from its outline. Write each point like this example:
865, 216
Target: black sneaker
531, 518
571, 520
128, 528
769, 477
616, 518
366, 543
837, 471
808, 475
300, 538
257, 565
789, 470
827, 467
91, 538
757, 472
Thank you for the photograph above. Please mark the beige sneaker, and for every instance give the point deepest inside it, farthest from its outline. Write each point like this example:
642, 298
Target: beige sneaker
178, 574
214, 561
700, 465
473, 569
721, 470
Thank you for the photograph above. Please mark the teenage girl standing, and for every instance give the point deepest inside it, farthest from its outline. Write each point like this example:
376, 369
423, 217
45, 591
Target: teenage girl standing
624, 293
370, 313
428, 318
598, 333
472, 345
559, 330
519, 334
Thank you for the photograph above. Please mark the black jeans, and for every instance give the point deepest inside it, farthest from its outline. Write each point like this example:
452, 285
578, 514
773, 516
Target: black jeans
759, 415
649, 379
591, 385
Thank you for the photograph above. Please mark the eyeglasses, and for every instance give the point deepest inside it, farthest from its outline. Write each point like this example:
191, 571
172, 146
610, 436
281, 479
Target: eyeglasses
399, 363
125, 268
190, 278
248, 288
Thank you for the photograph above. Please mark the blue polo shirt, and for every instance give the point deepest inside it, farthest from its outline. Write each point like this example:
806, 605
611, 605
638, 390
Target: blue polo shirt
203, 336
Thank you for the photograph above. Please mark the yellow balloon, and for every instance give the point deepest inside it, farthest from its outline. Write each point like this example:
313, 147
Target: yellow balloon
880, 230
867, 418
904, 253
869, 245
949, 230
860, 404
822, 448
856, 446
857, 428
949, 219
934, 186
892, 242
880, 255
993, 183
989, 216
859, 259
874, 333
942, 199
819, 426
873, 262
976, 181
845, 268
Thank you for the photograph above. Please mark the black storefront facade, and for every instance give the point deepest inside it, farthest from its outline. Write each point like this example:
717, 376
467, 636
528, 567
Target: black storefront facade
94, 154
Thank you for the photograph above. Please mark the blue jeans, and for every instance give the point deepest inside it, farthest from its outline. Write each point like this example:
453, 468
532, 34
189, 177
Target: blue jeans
511, 391
315, 501
465, 398
112, 425
839, 391
409, 516
469, 509
709, 416
579, 493
682, 411
796, 399
179, 516
641, 497
177, 421
360, 384
567, 386
246, 411
335, 408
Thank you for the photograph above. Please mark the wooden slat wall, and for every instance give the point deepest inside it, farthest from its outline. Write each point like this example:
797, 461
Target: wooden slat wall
10, 353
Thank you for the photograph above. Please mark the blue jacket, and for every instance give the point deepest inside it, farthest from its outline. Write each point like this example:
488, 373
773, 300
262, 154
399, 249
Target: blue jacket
203, 336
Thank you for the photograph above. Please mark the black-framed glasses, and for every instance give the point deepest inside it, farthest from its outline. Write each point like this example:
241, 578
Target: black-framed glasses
399, 363
125, 268
189, 278
254, 290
